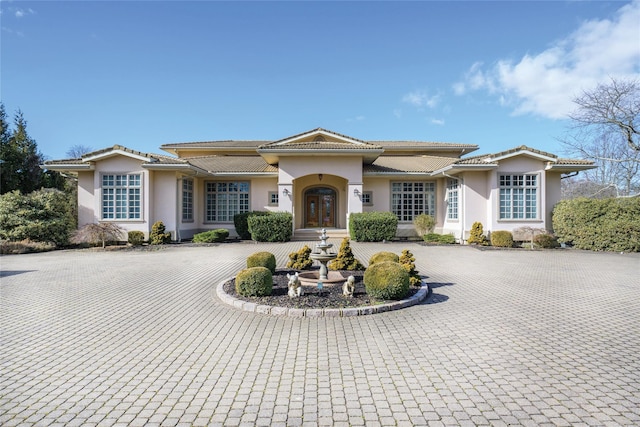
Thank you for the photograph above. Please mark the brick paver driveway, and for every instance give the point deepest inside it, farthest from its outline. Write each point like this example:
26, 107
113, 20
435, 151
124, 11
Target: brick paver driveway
139, 338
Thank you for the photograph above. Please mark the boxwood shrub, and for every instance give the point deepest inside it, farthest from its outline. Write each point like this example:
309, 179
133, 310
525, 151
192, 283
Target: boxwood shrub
254, 282
502, 239
300, 260
383, 256
135, 237
386, 280
448, 239
546, 241
262, 259
274, 227
241, 224
599, 225
372, 226
211, 236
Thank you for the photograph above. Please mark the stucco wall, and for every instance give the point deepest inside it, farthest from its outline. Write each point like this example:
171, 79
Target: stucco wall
163, 196
86, 194
554, 195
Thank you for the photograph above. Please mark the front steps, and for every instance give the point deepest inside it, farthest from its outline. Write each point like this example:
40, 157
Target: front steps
313, 234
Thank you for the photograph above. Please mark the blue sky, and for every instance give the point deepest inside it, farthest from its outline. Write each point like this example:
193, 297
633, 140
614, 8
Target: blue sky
141, 74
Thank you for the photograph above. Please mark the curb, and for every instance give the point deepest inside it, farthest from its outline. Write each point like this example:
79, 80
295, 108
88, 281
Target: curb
252, 307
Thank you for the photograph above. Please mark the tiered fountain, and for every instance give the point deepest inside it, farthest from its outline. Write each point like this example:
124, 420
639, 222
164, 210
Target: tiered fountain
322, 255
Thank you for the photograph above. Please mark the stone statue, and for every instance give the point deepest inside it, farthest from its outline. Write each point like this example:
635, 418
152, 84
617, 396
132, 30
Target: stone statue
349, 286
295, 287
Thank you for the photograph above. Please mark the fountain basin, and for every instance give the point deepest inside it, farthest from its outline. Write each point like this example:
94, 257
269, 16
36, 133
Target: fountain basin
311, 278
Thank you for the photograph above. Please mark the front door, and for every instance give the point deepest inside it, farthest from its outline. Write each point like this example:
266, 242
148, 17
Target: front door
320, 207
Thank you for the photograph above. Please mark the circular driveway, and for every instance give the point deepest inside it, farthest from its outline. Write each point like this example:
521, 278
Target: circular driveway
508, 337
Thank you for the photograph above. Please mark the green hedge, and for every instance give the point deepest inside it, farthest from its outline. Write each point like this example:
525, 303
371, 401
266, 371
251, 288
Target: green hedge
254, 282
502, 239
135, 237
599, 225
241, 224
211, 236
262, 259
386, 280
372, 226
448, 239
274, 227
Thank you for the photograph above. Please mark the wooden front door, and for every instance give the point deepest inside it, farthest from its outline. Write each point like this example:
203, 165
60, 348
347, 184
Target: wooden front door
320, 206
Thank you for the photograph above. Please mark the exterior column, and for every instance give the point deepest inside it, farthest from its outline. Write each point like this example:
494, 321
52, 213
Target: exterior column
354, 199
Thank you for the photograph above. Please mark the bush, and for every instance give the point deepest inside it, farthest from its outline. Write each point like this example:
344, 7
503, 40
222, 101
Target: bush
262, 259
372, 226
25, 247
98, 234
476, 235
300, 260
546, 241
345, 259
254, 282
407, 260
274, 227
136, 238
424, 224
211, 236
447, 239
158, 235
41, 216
386, 280
502, 239
382, 257
599, 225
240, 222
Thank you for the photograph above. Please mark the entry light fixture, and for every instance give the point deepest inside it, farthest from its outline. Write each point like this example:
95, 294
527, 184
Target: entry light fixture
320, 177
285, 192
356, 191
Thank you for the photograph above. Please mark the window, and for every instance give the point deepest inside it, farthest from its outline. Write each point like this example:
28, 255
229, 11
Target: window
225, 199
410, 199
187, 200
121, 196
452, 199
273, 198
367, 197
519, 196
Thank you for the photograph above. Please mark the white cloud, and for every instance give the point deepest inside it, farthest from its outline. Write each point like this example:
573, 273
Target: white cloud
439, 122
356, 119
546, 83
420, 99
19, 13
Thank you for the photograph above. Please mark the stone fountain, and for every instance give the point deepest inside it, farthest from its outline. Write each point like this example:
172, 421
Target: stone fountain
323, 256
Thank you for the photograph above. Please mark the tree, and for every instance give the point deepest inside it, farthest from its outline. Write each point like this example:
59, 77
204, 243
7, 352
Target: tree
606, 129
78, 150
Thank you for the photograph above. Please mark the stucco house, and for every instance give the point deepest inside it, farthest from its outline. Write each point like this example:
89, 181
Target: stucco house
321, 177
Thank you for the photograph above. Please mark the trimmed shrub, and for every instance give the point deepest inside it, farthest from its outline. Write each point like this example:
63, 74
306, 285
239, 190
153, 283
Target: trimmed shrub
211, 236
262, 259
382, 257
300, 260
254, 282
407, 260
546, 241
447, 239
476, 235
41, 216
135, 237
345, 259
424, 224
502, 239
240, 222
599, 225
274, 227
158, 235
386, 280
372, 226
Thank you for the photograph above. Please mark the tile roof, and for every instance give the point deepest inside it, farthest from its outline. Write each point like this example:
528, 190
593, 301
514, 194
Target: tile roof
217, 144
231, 164
319, 145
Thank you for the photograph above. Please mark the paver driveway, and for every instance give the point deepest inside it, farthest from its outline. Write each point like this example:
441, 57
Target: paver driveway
139, 338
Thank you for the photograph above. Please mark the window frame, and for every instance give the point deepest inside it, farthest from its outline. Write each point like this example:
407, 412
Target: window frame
244, 198
408, 207
188, 202
122, 185
518, 196
367, 198
270, 197
453, 199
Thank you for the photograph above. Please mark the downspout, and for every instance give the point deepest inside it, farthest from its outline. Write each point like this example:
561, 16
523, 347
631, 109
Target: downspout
460, 203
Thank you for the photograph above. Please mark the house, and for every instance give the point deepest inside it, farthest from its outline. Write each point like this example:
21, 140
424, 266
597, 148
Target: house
321, 177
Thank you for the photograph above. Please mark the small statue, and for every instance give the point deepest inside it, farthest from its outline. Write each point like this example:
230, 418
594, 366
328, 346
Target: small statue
295, 287
349, 286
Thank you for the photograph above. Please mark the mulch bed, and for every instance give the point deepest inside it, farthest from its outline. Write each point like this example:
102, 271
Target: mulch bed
330, 296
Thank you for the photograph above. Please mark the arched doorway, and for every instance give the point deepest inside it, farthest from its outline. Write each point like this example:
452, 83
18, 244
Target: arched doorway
320, 207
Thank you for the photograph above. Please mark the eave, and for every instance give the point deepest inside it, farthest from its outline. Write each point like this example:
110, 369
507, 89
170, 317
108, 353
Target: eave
455, 169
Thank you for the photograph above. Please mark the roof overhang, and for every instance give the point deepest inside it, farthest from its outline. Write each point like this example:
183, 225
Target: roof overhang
456, 169
115, 152
68, 167
273, 155
185, 168
562, 168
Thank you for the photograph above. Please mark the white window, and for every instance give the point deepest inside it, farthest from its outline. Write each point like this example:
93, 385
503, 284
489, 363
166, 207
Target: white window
121, 196
367, 198
410, 199
452, 199
273, 198
519, 196
225, 199
187, 200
